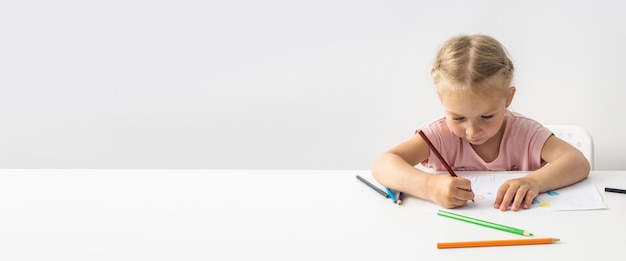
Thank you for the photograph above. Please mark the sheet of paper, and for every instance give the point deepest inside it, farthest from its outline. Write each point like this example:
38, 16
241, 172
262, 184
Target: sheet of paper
580, 196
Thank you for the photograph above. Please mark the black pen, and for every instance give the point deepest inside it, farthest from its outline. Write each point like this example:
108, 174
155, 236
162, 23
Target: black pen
623, 191
372, 186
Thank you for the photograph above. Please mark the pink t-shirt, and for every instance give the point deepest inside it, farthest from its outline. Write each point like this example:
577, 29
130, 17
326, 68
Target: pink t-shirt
520, 148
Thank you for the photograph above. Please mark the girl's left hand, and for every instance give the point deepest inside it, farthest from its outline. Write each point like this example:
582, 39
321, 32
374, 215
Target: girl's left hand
514, 193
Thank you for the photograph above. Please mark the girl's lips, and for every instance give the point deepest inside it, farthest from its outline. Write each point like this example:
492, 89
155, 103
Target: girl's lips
474, 140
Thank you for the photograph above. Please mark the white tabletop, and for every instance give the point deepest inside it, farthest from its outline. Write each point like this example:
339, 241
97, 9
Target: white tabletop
268, 215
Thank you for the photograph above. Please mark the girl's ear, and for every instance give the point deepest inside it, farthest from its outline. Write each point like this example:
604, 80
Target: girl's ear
510, 94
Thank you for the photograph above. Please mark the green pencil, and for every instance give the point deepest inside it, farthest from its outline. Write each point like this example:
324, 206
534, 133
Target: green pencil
484, 223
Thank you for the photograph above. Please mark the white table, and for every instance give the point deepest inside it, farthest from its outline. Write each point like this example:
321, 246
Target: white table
268, 215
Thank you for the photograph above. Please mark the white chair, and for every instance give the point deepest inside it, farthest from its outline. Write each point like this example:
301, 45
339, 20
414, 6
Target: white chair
577, 137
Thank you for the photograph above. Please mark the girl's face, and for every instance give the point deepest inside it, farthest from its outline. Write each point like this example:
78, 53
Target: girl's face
476, 118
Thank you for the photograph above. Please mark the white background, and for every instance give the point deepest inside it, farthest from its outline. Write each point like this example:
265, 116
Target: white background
281, 84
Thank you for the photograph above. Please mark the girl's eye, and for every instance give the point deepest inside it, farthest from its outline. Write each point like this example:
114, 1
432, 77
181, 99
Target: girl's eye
487, 116
458, 118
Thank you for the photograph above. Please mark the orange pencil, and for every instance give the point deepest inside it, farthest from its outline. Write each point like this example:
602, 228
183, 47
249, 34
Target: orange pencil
506, 242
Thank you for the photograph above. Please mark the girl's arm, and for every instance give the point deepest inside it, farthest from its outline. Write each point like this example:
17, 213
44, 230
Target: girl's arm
395, 169
566, 165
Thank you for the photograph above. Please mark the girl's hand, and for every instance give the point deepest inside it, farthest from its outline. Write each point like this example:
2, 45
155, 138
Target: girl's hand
514, 193
450, 192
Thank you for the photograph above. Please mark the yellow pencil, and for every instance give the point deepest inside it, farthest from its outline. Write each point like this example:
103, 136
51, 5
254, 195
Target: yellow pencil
506, 242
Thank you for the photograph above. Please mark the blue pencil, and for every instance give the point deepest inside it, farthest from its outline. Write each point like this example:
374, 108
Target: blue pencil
391, 195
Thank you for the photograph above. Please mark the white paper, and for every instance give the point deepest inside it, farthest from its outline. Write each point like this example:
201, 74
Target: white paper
580, 196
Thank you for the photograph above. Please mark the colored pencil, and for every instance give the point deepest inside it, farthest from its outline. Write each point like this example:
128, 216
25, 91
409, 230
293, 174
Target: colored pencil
484, 223
623, 191
399, 201
432, 147
506, 242
391, 195
372, 186
443, 161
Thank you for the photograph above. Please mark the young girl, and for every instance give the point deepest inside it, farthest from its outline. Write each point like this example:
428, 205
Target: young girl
473, 76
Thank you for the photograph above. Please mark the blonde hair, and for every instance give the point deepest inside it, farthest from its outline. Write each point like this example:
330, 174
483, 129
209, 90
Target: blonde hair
468, 62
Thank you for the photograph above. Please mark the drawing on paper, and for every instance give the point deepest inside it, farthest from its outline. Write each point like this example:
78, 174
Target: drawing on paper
582, 195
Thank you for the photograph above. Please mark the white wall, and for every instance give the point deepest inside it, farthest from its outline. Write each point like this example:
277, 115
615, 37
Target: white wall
281, 84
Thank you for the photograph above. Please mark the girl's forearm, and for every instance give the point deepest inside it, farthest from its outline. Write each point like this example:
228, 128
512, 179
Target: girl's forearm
391, 171
564, 171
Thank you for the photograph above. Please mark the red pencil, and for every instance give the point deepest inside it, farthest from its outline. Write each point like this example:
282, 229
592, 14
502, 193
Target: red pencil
434, 150
432, 147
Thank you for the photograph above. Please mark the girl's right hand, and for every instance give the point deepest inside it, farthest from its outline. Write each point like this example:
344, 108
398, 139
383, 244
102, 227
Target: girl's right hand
448, 191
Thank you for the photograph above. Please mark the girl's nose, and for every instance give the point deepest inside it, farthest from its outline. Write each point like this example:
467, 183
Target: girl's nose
472, 130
